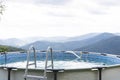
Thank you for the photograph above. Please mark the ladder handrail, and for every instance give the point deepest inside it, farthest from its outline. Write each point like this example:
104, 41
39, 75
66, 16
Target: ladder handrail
49, 50
28, 58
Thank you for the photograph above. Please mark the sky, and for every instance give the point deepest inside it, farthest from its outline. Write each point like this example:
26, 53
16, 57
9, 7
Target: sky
50, 18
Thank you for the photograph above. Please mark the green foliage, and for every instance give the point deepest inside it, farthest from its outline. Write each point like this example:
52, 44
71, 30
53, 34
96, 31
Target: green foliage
9, 49
2, 8
3, 49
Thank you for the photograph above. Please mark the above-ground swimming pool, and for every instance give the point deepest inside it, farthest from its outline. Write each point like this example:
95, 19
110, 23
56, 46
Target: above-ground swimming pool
68, 65
61, 60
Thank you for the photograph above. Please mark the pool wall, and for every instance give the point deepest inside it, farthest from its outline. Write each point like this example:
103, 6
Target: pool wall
109, 73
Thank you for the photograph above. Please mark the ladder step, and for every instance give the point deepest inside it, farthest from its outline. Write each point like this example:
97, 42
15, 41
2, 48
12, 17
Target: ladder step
36, 77
31, 64
49, 66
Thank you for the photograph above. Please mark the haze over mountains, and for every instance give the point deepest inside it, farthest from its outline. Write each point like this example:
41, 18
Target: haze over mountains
71, 43
12, 42
94, 42
20, 42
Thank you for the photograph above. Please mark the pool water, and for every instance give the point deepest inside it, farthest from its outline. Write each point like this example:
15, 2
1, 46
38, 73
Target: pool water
61, 60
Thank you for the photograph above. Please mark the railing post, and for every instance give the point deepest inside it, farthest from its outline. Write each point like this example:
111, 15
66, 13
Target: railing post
9, 70
99, 69
100, 73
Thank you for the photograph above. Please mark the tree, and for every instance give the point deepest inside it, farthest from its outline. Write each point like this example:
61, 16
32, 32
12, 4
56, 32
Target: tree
2, 7
3, 50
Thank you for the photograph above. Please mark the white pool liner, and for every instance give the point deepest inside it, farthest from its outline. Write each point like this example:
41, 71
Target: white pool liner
57, 65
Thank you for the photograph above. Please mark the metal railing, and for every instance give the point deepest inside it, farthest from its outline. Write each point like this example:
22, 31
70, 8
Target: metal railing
34, 77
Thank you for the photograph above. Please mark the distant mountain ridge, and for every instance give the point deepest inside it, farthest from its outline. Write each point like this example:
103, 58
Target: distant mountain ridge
111, 45
94, 42
20, 42
83, 37
71, 45
12, 42
60, 38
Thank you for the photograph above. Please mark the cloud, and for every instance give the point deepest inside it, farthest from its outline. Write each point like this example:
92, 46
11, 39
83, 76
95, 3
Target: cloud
59, 15
24, 18
109, 2
97, 12
46, 2
52, 2
101, 10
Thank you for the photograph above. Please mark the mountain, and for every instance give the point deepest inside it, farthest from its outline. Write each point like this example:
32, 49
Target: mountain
59, 38
82, 37
77, 44
43, 45
49, 39
12, 42
111, 45
70, 45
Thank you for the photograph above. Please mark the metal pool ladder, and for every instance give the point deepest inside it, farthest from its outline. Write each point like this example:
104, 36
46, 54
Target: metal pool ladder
34, 77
